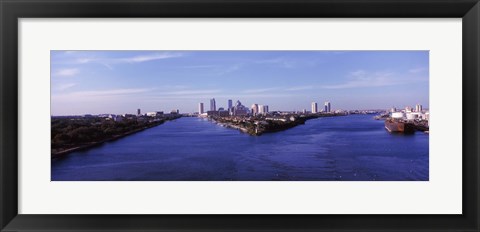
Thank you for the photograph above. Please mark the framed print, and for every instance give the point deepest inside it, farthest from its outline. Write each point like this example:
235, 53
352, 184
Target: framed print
277, 115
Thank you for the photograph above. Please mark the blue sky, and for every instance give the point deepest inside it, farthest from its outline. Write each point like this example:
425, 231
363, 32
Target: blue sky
119, 82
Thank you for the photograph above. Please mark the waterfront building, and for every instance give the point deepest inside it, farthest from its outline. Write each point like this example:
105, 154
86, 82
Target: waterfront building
176, 111
239, 109
398, 115
139, 112
418, 108
255, 109
261, 109
413, 115
223, 113
213, 107
212, 113
314, 108
117, 118
200, 108
393, 109
155, 113
408, 109
304, 111
328, 107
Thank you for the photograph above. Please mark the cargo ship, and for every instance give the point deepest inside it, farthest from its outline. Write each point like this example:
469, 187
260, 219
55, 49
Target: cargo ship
397, 126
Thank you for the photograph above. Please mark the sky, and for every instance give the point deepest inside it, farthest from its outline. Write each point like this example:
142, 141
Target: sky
119, 82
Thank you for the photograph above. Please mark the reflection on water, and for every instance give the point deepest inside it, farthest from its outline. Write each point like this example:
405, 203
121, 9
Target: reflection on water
354, 147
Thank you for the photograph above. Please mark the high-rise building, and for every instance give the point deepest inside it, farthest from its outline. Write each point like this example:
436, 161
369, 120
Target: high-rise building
239, 109
263, 109
200, 108
314, 108
213, 107
139, 112
230, 104
418, 108
255, 109
328, 107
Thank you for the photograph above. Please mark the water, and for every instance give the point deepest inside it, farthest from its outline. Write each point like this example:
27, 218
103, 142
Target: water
348, 148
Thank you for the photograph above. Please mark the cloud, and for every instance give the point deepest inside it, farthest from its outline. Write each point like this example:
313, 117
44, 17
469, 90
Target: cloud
201, 66
418, 70
66, 72
229, 69
108, 92
362, 79
283, 62
150, 57
205, 97
63, 87
85, 60
260, 90
97, 97
109, 62
191, 92
298, 88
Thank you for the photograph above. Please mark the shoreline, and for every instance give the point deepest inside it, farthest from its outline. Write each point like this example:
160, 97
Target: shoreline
262, 126
94, 144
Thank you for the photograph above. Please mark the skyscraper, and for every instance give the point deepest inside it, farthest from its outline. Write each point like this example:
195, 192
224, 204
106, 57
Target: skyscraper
314, 107
263, 109
418, 108
327, 107
230, 104
213, 107
255, 109
239, 109
200, 108
138, 112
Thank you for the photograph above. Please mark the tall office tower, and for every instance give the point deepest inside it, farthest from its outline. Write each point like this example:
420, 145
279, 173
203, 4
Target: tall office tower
230, 104
418, 108
138, 112
213, 107
261, 109
327, 107
255, 109
314, 108
200, 108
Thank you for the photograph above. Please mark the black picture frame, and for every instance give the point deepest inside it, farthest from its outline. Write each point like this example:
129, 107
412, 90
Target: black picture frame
12, 10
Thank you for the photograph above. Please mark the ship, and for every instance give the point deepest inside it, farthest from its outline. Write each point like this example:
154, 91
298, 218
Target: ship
397, 126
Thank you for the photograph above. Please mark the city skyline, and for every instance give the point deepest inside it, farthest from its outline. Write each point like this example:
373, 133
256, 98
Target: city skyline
95, 82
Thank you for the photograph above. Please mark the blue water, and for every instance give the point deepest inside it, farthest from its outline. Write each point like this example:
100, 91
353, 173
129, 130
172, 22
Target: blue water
354, 147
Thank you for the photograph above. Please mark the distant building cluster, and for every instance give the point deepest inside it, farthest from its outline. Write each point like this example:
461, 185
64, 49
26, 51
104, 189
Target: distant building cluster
232, 110
238, 109
410, 113
326, 109
148, 116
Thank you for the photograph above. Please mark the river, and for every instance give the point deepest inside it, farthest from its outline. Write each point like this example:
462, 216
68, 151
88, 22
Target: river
345, 148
